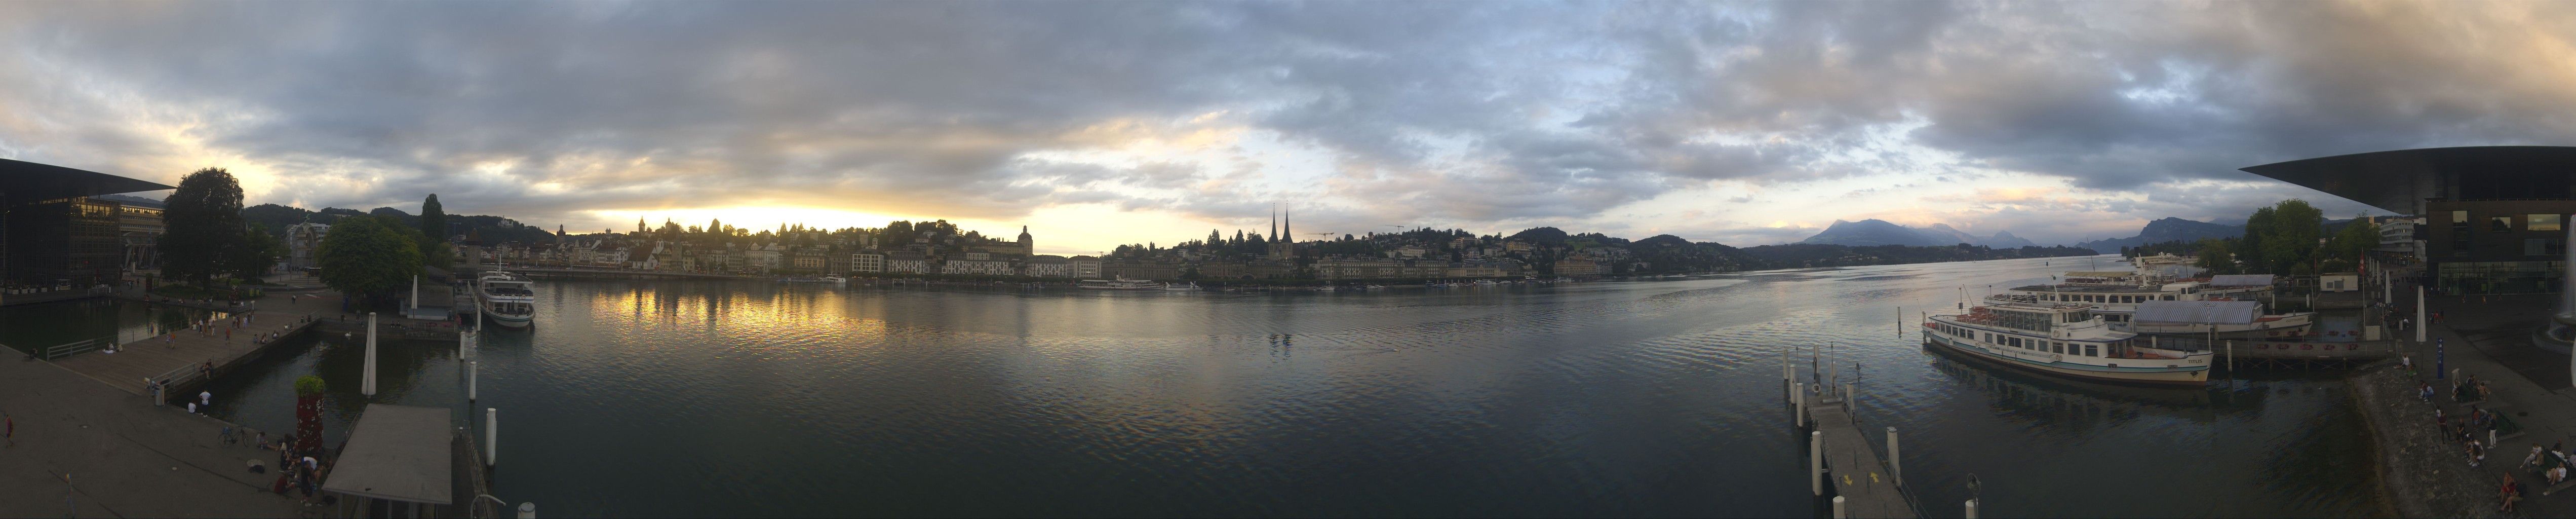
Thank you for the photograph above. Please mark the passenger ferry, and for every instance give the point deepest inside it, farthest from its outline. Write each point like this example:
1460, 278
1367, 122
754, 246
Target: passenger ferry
2118, 304
508, 299
1118, 284
2063, 339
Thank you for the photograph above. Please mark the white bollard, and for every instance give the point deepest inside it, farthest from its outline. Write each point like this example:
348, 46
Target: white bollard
491, 436
1838, 508
1972, 509
470, 379
369, 387
1816, 462
1847, 396
1895, 468
528, 510
2420, 324
1798, 398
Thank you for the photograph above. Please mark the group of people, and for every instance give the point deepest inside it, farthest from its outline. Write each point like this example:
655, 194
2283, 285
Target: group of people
2470, 389
299, 470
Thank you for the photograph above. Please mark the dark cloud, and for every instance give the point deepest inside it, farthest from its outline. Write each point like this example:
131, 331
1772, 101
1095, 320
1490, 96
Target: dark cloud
1486, 114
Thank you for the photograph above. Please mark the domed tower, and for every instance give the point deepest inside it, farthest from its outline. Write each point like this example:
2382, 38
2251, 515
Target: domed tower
1026, 247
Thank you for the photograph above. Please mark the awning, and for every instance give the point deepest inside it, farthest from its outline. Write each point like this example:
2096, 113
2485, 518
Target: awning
2241, 280
397, 453
2199, 312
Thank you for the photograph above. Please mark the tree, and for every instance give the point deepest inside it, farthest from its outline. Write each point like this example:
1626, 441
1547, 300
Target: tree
258, 250
2355, 239
433, 219
2213, 257
369, 257
203, 225
2289, 234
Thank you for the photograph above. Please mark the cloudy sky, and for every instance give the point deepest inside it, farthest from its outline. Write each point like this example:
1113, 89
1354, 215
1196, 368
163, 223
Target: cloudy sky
1103, 123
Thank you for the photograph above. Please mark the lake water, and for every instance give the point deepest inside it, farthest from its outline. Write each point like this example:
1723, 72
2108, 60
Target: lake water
696, 398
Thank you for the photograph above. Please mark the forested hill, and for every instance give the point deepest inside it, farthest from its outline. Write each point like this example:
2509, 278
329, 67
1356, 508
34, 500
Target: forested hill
1801, 255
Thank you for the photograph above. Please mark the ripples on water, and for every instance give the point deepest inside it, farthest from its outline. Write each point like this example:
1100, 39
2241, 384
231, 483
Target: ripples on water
1628, 399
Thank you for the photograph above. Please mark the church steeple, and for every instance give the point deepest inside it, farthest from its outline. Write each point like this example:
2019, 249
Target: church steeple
1288, 235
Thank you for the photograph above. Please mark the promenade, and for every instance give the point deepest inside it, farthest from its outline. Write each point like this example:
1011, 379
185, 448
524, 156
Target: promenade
160, 358
89, 450
2488, 337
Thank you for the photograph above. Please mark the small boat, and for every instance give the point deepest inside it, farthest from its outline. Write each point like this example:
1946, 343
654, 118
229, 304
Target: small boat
1181, 287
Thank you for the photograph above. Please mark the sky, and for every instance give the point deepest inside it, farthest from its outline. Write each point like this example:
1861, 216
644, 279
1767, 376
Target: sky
1095, 124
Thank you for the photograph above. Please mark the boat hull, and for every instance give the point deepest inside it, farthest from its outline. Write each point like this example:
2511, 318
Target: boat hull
2154, 376
509, 321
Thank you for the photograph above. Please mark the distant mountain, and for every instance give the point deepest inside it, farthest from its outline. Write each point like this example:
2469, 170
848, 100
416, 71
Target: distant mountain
1879, 232
1872, 232
2164, 230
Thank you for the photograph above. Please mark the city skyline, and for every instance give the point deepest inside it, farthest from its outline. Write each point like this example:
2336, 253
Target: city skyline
1102, 124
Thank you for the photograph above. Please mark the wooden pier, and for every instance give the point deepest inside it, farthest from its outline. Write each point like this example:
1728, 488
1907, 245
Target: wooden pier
1846, 472
179, 362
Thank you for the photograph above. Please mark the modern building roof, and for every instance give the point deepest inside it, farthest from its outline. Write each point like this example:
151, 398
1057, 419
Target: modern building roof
398, 453
2395, 180
24, 182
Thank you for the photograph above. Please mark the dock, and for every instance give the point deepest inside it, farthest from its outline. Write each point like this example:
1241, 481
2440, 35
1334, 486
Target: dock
179, 361
1846, 474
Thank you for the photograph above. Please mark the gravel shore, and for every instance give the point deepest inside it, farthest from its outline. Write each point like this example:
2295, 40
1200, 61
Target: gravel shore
2420, 474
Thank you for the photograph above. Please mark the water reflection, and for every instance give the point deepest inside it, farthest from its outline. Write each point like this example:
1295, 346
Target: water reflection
1646, 399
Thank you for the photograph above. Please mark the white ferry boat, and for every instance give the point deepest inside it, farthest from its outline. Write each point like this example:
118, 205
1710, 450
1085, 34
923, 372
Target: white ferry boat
507, 299
2062, 339
2118, 304
1118, 284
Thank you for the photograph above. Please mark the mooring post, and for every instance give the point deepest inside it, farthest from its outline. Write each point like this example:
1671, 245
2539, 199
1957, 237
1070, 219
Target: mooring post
528, 510
1838, 508
471, 378
1798, 398
491, 436
1895, 468
1816, 462
1972, 509
1847, 396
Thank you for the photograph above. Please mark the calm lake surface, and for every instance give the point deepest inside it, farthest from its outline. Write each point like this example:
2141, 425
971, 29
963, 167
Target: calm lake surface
690, 398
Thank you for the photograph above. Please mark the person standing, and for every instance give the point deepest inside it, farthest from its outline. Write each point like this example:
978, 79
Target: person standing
206, 397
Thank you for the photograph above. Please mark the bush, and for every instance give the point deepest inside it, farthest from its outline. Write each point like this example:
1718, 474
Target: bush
308, 385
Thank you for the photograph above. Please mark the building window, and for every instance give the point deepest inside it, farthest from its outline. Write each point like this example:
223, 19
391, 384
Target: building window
2543, 246
2459, 217
2541, 222
2500, 224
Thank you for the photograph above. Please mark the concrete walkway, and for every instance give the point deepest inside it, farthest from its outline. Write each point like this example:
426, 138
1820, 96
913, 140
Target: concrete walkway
2490, 337
89, 450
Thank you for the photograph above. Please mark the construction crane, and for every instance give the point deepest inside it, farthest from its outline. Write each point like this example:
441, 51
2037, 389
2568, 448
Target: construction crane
1322, 236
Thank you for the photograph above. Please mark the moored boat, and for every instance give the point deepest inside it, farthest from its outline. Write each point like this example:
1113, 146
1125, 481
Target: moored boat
508, 299
1118, 284
2063, 339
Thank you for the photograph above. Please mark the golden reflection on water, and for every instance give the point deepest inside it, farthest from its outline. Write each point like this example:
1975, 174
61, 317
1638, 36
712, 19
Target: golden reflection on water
758, 324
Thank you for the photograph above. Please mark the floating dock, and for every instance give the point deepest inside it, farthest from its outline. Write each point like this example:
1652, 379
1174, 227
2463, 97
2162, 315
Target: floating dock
1850, 478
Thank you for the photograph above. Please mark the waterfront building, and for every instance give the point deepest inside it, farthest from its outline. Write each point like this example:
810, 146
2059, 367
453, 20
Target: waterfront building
834, 262
2494, 217
1050, 266
765, 257
303, 241
55, 234
976, 266
907, 262
1083, 267
809, 259
139, 227
1578, 267
2397, 236
867, 262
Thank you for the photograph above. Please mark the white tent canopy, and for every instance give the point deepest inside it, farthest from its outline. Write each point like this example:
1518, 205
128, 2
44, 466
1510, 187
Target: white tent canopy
2241, 280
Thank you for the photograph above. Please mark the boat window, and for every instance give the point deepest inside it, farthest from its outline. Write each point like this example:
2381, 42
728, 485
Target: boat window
2092, 350
2056, 347
2168, 297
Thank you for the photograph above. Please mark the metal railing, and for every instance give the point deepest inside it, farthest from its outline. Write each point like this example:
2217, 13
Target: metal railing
78, 347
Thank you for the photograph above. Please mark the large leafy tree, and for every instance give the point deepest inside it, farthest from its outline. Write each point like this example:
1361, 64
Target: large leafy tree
433, 219
204, 226
371, 257
2290, 234
257, 251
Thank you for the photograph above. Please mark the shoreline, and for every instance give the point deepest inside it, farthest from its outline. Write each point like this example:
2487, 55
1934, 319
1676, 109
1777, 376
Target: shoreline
2418, 474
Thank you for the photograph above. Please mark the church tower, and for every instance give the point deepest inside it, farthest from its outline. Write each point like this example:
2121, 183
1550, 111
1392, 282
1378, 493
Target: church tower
1027, 248
639, 225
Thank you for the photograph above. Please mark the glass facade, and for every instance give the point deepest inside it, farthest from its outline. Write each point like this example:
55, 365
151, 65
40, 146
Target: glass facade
2500, 277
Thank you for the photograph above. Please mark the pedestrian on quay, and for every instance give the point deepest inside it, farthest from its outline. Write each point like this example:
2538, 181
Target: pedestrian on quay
207, 397
2512, 492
